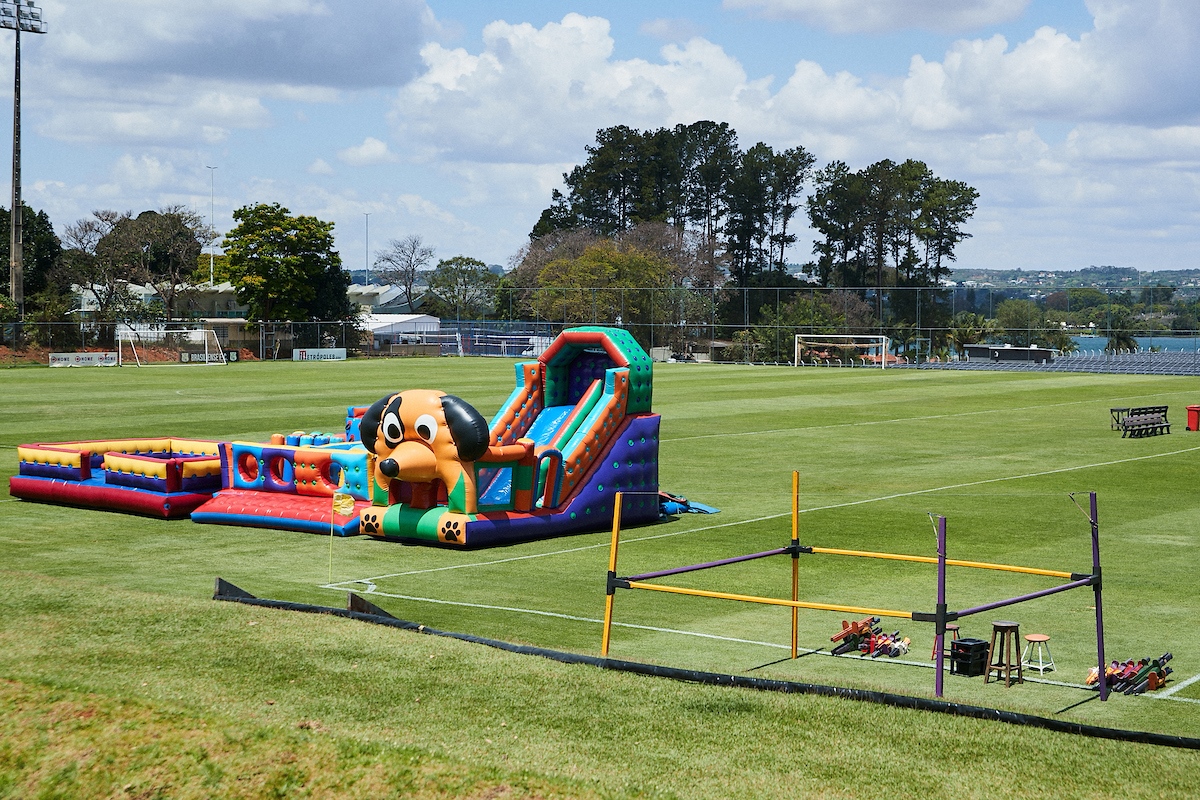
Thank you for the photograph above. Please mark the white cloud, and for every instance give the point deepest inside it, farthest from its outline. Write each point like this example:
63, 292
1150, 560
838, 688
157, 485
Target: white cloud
294, 42
670, 30
320, 167
530, 99
170, 73
878, 16
371, 152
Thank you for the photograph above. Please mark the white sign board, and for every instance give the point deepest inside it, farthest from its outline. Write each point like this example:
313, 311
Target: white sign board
319, 354
83, 359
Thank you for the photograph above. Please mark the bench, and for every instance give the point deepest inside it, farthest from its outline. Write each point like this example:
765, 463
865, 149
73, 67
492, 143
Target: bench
1145, 421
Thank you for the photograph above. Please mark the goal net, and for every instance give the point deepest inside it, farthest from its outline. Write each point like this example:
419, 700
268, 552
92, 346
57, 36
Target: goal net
831, 350
194, 346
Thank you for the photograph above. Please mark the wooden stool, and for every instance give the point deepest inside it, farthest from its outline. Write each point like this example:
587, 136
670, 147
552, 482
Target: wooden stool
951, 629
1009, 646
1045, 661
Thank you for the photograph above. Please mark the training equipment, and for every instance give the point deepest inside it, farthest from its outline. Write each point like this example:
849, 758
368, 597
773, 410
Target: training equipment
824, 350
940, 616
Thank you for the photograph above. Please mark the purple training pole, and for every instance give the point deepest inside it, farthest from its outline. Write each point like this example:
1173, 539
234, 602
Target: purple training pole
940, 635
1095, 520
692, 568
1022, 598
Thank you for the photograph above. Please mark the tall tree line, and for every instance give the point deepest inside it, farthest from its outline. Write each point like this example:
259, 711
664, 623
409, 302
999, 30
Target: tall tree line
885, 225
691, 177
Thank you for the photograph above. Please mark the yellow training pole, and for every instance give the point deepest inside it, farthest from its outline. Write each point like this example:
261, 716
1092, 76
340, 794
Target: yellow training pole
612, 573
795, 560
951, 562
772, 601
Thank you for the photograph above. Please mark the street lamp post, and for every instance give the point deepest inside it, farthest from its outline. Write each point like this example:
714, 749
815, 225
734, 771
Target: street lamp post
212, 177
18, 15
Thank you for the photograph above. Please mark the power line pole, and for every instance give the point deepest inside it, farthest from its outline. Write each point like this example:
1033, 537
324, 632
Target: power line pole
19, 15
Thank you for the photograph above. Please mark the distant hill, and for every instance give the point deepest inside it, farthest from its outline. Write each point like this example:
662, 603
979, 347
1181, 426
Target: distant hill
1088, 276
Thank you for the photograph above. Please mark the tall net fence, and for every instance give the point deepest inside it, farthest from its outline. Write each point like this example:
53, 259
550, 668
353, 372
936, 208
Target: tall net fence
925, 326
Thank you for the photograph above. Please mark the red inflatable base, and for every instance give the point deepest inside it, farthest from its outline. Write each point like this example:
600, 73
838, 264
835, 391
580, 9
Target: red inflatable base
178, 505
293, 512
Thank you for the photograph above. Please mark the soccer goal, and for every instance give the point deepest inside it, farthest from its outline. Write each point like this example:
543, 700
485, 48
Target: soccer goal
195, 346
832, 350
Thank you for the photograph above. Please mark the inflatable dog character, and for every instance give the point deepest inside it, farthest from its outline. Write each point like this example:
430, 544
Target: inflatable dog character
422, 435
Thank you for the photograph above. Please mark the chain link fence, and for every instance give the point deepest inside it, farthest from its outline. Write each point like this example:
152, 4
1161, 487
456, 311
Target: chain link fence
924, 325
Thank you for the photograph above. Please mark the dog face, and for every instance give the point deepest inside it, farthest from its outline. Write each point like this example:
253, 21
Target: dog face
419, 435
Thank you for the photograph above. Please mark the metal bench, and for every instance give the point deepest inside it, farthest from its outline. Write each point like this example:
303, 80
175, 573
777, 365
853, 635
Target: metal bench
1144, 421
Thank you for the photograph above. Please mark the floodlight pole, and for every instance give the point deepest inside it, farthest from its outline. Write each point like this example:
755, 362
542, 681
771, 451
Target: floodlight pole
367, 245
34, 23
212, 178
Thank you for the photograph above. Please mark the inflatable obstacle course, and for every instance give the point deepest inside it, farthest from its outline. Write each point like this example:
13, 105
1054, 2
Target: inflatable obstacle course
420, 465
161, 477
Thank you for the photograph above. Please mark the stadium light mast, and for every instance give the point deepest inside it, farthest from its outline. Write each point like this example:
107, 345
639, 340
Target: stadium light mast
18, 15
367, 245
212, 182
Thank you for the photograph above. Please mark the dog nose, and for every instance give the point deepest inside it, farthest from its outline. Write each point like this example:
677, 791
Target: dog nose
389, 467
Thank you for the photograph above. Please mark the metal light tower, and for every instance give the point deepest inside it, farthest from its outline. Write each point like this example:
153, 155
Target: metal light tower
18, 15
212, 177
367, 246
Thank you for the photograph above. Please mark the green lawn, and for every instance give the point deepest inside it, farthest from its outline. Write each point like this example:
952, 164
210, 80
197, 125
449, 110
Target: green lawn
122, 673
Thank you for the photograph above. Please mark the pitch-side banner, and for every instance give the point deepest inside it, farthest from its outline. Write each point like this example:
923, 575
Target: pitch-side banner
83, 359
319, 354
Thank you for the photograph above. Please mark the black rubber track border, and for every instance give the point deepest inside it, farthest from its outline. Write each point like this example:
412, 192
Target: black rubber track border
365, 611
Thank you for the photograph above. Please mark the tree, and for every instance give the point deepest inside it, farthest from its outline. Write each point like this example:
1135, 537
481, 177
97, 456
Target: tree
748, 229
97, 270
41, 252
1021, 320
463, 288
790, 170
593, 287
710, 161
284, 267
401, 262
159, 248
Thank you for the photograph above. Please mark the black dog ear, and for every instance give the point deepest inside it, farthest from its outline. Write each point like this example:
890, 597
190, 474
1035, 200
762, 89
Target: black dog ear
467, 426
368, 429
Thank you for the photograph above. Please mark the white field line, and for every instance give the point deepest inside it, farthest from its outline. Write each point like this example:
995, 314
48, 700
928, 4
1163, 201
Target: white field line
847, 504
1178, 686
912, 419
556, 552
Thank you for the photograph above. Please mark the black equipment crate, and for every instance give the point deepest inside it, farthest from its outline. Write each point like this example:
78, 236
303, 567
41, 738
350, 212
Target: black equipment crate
968, 657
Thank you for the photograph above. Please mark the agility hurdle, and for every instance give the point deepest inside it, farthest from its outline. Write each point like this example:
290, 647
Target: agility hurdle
939, 617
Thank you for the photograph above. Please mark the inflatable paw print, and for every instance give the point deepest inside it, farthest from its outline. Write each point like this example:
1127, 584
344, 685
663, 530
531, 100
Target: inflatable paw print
451, 530
372, 522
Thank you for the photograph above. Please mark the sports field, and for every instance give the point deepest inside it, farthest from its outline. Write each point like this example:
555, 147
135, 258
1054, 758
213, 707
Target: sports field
121, 675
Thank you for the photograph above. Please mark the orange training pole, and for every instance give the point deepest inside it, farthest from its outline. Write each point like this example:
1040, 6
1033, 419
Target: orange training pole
795, 560
772, 601
612, 574
952, 562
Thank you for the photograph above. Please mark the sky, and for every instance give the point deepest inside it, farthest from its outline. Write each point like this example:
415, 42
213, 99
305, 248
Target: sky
1078, 122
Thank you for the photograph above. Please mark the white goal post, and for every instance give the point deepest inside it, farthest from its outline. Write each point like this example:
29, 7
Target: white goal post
836, 350
196, 346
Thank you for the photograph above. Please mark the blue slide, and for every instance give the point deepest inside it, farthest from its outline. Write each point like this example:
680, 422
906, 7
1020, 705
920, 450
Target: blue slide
543, 431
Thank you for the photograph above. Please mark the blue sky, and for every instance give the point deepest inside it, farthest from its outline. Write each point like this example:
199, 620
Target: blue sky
1077, 121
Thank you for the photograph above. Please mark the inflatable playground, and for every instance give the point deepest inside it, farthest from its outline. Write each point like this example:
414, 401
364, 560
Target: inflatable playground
416, 466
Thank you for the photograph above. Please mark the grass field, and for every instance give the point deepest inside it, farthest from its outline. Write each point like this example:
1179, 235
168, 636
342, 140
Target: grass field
120, 675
